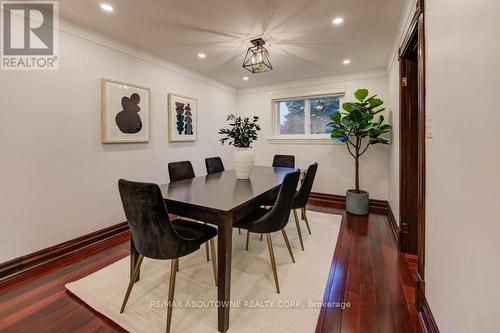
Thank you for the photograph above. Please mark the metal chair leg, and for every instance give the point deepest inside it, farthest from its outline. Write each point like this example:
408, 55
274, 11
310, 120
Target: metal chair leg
273, 262
288, 244
132, 281
261, 237
298, 229
214, 262
206, 250
248, 240
171, 289
305, 219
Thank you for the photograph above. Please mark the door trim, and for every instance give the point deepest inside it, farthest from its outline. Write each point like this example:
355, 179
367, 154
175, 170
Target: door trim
417, 29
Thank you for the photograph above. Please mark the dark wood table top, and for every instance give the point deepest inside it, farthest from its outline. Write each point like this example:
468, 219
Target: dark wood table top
222, 191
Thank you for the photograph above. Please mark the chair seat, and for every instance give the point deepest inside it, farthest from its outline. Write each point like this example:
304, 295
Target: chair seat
194, 231
250, 220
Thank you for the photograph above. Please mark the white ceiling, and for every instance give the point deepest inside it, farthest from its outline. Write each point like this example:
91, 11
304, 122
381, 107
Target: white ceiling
301, 38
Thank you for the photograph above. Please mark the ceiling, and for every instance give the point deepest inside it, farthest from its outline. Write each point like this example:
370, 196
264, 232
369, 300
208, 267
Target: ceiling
300, 36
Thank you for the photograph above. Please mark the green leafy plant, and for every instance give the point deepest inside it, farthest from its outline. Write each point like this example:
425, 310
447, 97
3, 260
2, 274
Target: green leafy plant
242, 131
356, 123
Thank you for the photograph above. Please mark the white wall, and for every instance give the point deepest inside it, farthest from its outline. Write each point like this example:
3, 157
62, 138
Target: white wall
463, 160
57, 180
463, 164
336, 166
393, 88
393, 82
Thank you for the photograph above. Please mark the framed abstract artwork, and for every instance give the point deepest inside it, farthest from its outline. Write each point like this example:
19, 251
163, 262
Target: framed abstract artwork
182, 113
124, 112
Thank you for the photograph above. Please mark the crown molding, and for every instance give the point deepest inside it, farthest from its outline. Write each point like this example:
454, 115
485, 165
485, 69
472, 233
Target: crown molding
313, 83
92, 36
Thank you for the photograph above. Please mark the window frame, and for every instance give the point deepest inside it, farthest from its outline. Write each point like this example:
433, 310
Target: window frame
307, 137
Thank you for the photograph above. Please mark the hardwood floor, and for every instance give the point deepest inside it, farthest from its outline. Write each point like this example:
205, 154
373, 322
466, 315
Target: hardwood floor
367, 271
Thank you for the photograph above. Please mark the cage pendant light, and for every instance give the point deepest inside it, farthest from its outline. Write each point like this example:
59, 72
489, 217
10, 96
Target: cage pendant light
257, 57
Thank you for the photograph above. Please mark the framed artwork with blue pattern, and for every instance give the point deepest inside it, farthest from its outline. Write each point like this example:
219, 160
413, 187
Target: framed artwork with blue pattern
182, 114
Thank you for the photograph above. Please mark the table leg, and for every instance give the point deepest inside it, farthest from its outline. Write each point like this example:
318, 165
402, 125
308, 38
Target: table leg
224, 246
134, 256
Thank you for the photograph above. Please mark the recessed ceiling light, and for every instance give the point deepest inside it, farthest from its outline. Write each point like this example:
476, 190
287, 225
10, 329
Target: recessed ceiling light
245, 78
346, 61
106, 7
338, 20
202, 55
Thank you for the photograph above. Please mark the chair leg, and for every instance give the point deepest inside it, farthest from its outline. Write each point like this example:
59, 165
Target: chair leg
298, 229
132, 281
305, 219
171, 289
248, 240
214, 262
261, 237
239, 231
206, 250
288, 244
273, 262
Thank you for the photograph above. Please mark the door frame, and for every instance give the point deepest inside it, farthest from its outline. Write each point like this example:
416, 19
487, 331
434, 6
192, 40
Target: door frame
416, 32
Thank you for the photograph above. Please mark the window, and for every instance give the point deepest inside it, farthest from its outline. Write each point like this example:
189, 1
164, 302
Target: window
292, 116
305, 117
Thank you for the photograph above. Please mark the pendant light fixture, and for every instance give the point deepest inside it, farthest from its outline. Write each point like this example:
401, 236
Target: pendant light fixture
257, 57
320, 106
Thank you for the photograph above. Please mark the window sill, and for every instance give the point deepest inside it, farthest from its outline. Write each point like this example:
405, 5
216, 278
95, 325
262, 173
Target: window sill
303, 141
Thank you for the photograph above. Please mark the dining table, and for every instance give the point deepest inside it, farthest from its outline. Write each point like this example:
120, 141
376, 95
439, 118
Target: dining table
221, 199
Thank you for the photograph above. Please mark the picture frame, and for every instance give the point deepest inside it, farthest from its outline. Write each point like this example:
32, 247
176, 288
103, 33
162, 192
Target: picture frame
125, 112
182, 118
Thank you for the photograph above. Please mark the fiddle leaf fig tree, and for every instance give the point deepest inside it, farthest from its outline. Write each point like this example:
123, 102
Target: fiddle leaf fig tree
358, 127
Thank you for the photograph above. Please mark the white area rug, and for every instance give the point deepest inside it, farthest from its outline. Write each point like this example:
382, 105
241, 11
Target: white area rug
256, 305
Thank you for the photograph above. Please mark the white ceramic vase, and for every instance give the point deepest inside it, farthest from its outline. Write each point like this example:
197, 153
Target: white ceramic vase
244, 159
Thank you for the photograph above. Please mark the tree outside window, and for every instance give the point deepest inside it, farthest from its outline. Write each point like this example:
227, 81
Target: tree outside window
307, 116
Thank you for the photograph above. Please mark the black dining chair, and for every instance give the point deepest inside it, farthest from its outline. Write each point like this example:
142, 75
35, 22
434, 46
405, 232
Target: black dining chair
214, 165
281, 161
267, 221
301, 198
183, 170
155, 236
284, 161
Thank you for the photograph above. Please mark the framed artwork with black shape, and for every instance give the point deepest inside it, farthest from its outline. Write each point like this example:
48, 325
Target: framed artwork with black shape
124, 113
182, 118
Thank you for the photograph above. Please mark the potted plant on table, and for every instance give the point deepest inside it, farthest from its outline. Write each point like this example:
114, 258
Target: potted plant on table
240, 134
353, 126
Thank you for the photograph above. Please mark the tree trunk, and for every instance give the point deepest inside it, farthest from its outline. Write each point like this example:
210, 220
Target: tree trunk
357, 173
356, 159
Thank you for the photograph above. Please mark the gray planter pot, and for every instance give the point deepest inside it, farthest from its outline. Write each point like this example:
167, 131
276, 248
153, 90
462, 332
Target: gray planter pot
357, 203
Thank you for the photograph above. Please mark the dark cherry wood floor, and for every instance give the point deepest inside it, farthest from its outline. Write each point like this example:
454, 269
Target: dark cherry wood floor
371, 274
367, 271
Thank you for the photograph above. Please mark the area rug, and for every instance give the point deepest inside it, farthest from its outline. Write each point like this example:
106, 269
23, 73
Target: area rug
256, 307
